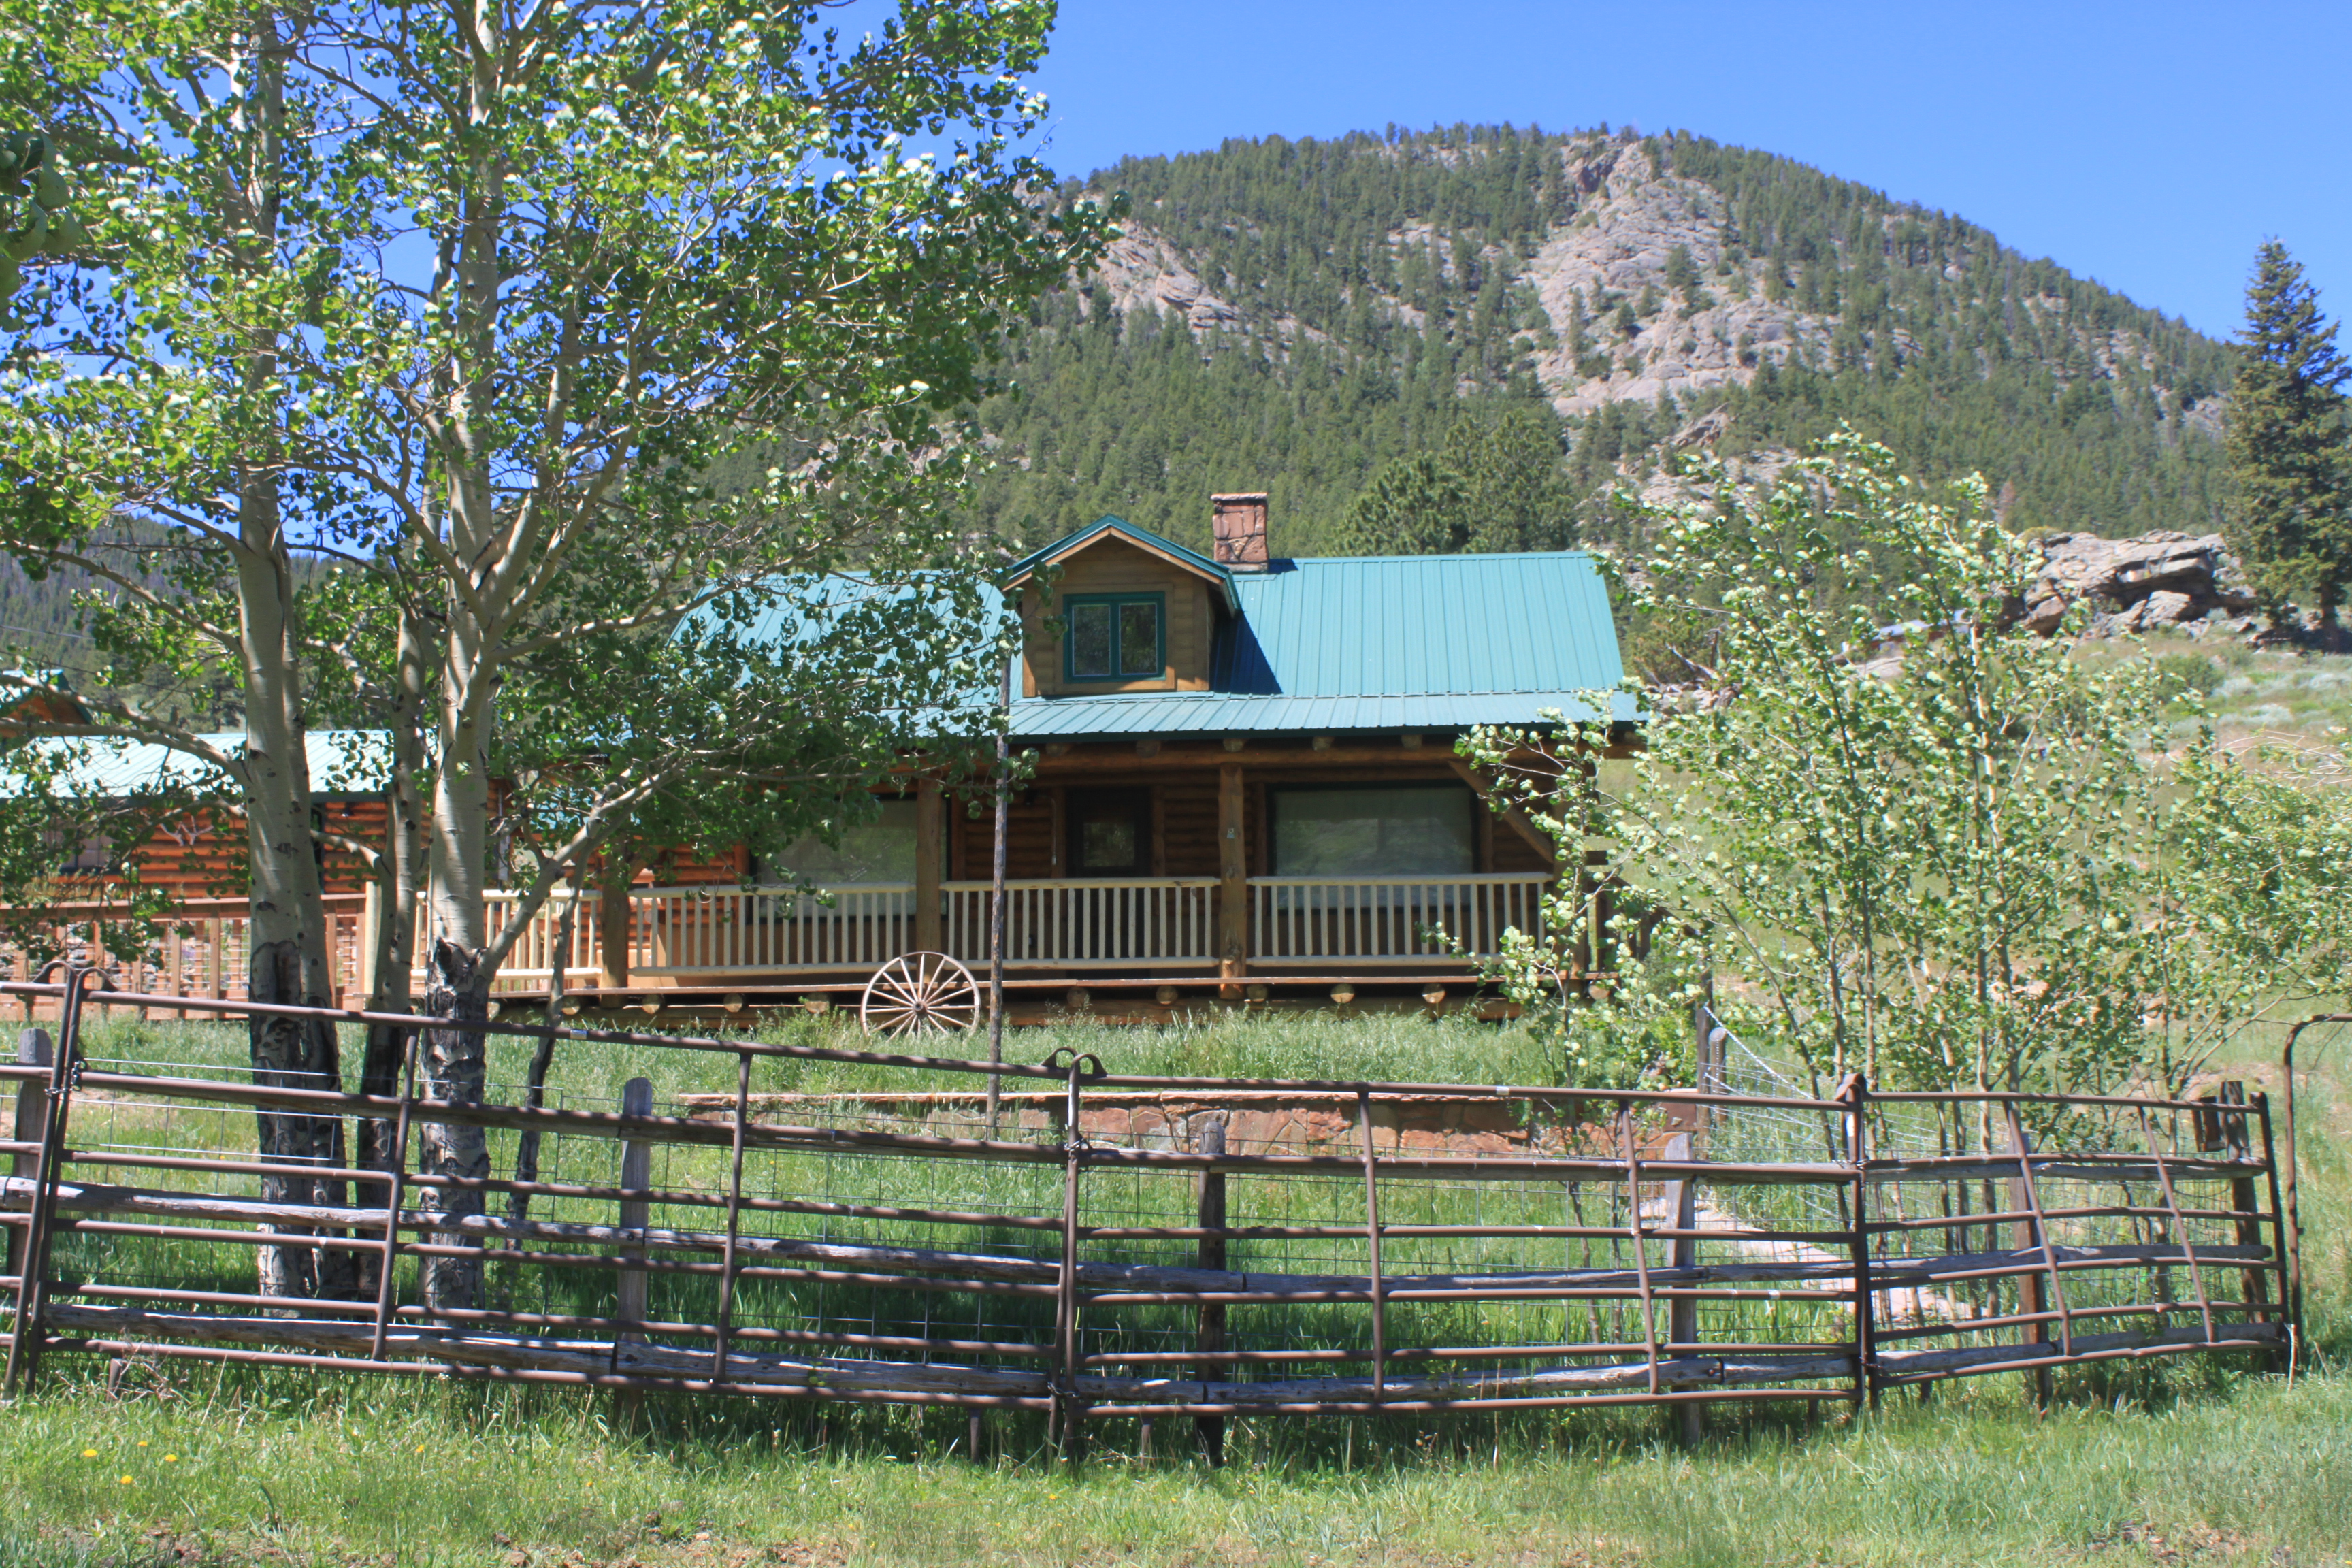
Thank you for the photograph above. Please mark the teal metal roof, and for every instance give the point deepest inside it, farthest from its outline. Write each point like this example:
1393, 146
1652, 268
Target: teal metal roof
343, 762
1382, 643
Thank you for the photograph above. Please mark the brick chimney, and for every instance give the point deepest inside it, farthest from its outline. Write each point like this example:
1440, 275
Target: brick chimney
1240, 531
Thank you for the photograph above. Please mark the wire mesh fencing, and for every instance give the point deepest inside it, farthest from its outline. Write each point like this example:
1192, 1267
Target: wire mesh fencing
1095, 1245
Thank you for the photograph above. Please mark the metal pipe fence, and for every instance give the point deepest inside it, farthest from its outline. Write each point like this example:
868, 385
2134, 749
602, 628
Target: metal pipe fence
1136, 1246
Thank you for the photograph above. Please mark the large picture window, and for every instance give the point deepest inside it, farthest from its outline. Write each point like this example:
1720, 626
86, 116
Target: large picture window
1115, 636
881, 850
1402, 831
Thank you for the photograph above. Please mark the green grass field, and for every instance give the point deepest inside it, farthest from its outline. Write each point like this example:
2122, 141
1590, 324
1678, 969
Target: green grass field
2185, 1462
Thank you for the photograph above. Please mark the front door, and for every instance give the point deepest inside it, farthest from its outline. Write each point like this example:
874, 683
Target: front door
1111, 833
1110, 838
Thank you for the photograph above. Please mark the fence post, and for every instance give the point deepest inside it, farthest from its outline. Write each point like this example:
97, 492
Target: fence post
32, 1122
387, 1287
636, 1176
1071, 1410
1681, 1201
25, 1341
2290, 1286
1855, 1092
2040, 1237
2033, 1299
734, 1221
1209, 1338
2253, 1284
1372, 1239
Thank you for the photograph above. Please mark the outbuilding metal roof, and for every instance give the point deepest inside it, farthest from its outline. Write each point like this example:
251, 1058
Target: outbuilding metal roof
343, 761
1438, 642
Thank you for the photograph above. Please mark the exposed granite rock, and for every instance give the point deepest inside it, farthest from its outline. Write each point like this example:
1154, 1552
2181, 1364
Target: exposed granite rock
2166, 578
1144, 271
1628, 217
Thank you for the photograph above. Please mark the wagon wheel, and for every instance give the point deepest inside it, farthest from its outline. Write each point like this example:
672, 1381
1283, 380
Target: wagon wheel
920, 994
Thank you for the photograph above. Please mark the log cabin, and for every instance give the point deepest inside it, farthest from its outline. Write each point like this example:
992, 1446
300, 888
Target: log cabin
1241, 786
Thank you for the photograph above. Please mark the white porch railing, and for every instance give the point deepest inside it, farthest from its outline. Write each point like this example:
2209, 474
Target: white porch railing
719, 929
204, 951
1065, 923
532, 963
726, 930
1091, 922
1389, 919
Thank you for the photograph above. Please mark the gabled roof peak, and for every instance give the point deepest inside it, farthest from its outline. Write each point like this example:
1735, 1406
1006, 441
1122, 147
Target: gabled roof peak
1143, 538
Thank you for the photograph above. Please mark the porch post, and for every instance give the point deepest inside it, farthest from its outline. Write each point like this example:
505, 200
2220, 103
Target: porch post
613, 936
1233, 885
928, 825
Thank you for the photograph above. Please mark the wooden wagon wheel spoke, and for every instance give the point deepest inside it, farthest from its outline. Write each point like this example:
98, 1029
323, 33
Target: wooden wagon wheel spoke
921, 993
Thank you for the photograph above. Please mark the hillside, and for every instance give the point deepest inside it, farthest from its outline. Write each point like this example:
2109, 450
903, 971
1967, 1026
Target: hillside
1290, 315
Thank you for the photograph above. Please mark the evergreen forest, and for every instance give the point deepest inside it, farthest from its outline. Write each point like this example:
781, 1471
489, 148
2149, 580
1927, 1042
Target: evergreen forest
1368, 293
1378, 302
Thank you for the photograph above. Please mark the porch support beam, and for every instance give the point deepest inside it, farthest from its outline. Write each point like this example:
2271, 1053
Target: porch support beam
1233, 873
929, 832
1519, 820
613, 925
1120, 758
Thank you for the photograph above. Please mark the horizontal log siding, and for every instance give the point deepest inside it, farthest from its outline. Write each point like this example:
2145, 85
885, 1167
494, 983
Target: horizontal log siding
203, 855
1190, 802
1513, 852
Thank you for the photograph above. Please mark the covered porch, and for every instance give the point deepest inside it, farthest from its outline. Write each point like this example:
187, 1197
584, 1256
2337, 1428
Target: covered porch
1176, 871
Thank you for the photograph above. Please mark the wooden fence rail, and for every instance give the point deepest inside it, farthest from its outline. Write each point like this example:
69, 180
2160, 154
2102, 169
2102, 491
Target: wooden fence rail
1140, 1256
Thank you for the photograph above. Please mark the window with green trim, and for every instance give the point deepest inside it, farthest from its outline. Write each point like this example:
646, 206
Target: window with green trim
1115, 636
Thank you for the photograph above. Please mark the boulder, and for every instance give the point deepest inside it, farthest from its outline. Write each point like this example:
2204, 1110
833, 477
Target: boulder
2164, 578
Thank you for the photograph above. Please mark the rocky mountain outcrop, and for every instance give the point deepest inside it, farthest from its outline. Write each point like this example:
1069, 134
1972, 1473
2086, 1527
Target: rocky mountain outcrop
1618, 248
2151, 580
1619, 242
1142, 271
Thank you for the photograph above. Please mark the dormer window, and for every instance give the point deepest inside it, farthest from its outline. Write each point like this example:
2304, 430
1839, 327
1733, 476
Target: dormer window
1115, 636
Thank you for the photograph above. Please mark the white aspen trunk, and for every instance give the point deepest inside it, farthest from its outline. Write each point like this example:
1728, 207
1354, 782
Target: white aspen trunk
287, 957
457, 980
399, 873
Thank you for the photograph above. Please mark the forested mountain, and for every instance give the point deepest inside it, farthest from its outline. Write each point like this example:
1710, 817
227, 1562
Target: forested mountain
39, 618
1293, 315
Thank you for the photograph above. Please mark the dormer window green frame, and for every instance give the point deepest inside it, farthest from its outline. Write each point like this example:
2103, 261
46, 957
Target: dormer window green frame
1110, 637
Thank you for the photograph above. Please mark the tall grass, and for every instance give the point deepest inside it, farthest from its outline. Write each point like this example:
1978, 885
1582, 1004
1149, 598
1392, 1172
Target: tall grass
2180, 1461
278, 1469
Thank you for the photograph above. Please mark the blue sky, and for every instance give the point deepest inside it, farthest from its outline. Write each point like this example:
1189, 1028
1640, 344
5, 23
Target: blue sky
2150, 146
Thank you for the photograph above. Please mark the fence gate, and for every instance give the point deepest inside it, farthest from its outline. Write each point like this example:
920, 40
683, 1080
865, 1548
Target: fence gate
1117, 1248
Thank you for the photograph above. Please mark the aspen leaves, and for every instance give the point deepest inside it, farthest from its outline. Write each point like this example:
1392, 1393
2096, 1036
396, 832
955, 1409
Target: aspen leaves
33, 197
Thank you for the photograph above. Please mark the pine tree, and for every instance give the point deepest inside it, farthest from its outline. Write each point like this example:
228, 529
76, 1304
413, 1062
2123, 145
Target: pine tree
2291, 519
1488, 487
